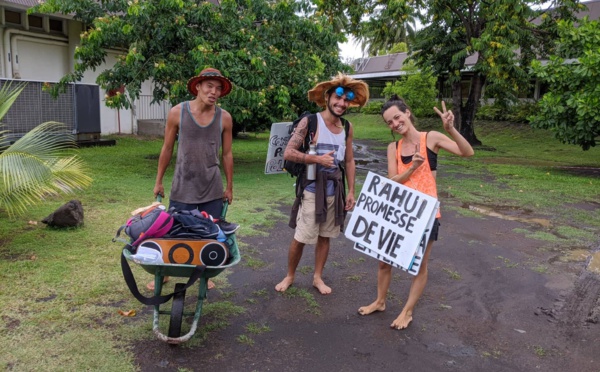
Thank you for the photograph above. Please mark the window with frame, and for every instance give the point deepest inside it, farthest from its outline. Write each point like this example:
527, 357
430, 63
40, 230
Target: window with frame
35, 21
55, 25
10, 16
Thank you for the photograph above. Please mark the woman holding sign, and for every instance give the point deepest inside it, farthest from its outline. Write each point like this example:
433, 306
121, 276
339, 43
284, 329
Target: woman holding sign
412, 161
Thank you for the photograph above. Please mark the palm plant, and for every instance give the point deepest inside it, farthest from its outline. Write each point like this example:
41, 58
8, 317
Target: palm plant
390, 25
40, 164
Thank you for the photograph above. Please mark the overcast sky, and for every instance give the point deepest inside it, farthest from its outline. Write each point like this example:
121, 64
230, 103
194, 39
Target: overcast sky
350, 49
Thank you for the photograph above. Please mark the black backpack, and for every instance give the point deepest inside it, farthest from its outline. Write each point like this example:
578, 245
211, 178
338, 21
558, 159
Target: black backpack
297, 169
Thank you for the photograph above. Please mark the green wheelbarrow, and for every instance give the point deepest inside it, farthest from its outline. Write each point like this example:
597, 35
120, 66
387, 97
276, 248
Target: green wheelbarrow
194, 272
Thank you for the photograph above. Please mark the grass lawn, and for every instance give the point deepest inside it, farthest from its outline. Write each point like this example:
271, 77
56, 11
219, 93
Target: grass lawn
61, 289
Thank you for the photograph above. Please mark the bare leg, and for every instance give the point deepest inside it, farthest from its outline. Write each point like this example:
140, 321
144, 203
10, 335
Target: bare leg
294, 256
321, 253
416, 290
384, 277
150, 285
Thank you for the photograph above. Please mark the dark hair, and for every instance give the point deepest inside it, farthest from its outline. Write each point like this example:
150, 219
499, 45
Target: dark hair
400, 104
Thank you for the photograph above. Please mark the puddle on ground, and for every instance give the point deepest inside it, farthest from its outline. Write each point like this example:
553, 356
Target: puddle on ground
594, 265
576, 255
510, 214
513, 214
366, 162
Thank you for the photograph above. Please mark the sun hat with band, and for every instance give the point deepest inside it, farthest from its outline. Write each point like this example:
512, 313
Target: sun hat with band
358, 88
209, 74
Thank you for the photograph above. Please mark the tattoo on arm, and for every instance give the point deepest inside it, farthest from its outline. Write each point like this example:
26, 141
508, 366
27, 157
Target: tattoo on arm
297, 140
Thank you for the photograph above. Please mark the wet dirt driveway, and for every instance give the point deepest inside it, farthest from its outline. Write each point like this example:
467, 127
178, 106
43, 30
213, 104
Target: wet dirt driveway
495, 301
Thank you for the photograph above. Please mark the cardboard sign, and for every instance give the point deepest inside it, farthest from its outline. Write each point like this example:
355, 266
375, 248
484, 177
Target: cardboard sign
392, 222
277, 142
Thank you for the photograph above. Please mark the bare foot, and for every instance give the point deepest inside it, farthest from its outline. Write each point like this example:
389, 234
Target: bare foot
375, 306
150, 285
320, 285
210, 284
284, 284
402, 321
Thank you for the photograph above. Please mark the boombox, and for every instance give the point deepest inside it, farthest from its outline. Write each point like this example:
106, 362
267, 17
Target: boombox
189, 252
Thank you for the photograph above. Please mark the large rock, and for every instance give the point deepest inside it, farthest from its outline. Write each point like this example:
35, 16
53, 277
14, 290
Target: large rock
67, 215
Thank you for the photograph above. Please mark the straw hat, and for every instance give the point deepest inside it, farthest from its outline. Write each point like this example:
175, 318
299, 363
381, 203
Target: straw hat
209, 74
359, 87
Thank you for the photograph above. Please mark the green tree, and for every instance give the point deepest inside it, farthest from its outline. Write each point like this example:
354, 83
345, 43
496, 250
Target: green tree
389, 22
271, 52
390, 25
39, 164
571, 108
417, 88
502, 36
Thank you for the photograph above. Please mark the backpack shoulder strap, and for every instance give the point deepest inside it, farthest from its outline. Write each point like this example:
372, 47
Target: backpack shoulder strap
346, 127
312, 128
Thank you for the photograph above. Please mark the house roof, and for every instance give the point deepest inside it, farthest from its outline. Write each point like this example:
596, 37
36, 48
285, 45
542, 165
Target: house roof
31, 3
22, 3
387, 68
593, 10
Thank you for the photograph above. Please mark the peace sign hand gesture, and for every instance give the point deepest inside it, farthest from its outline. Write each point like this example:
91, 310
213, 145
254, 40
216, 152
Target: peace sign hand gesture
447, 117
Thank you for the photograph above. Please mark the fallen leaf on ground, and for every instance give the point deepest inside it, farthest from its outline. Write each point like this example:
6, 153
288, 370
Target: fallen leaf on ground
127, 313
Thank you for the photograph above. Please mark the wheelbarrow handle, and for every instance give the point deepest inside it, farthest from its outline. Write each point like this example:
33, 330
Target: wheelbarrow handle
224, 210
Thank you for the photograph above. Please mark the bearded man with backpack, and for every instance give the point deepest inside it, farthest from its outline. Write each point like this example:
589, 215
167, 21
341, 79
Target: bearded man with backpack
321, 204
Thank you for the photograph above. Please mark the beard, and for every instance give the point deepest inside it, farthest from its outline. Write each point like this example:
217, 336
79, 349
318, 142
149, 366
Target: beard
330, 109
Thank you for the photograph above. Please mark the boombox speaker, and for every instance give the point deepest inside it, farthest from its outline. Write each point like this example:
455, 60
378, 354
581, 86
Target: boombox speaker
189, 252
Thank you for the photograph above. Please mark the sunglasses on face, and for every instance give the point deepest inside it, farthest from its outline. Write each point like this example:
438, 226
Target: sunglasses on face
340, 91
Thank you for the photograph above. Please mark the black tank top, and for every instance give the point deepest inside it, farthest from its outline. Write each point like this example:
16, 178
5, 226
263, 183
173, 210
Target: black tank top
431, 157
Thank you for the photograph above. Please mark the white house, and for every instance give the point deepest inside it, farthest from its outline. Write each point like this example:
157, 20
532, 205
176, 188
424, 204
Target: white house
39, 49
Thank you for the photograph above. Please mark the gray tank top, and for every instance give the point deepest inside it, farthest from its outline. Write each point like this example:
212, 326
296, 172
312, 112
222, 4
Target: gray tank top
197, 178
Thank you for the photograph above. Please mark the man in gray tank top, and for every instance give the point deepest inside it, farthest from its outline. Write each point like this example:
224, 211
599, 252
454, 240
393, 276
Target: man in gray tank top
201, 130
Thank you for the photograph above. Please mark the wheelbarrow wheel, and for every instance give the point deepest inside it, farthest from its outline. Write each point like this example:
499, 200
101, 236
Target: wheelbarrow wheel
177, 311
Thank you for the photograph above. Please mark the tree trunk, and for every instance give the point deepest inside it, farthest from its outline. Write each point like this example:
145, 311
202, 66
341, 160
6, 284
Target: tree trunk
457, 104
467, 123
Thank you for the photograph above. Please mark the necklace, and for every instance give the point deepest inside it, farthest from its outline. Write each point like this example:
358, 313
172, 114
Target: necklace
335, 125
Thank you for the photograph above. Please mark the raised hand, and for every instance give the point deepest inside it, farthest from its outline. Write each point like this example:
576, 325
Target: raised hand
447, 117
417, 161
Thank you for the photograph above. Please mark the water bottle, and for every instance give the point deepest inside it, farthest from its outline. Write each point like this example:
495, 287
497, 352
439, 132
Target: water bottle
311, 169
145, 255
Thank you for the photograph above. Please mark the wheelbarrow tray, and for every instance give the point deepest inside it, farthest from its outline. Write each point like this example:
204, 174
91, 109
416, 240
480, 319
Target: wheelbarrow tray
183, 270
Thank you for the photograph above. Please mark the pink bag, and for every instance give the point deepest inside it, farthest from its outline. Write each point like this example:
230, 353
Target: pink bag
152, 223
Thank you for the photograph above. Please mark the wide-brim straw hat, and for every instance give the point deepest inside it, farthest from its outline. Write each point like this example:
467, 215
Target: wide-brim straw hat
359, 87
209, 74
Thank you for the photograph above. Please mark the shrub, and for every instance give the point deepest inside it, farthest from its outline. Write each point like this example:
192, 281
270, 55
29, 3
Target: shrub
517, 112
373, 107
417, 88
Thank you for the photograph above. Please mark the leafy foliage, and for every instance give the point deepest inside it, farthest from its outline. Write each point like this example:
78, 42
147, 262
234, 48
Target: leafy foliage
40, 163
273, 54
518, 112
570, 107
499, 37
373, 108
417, 88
